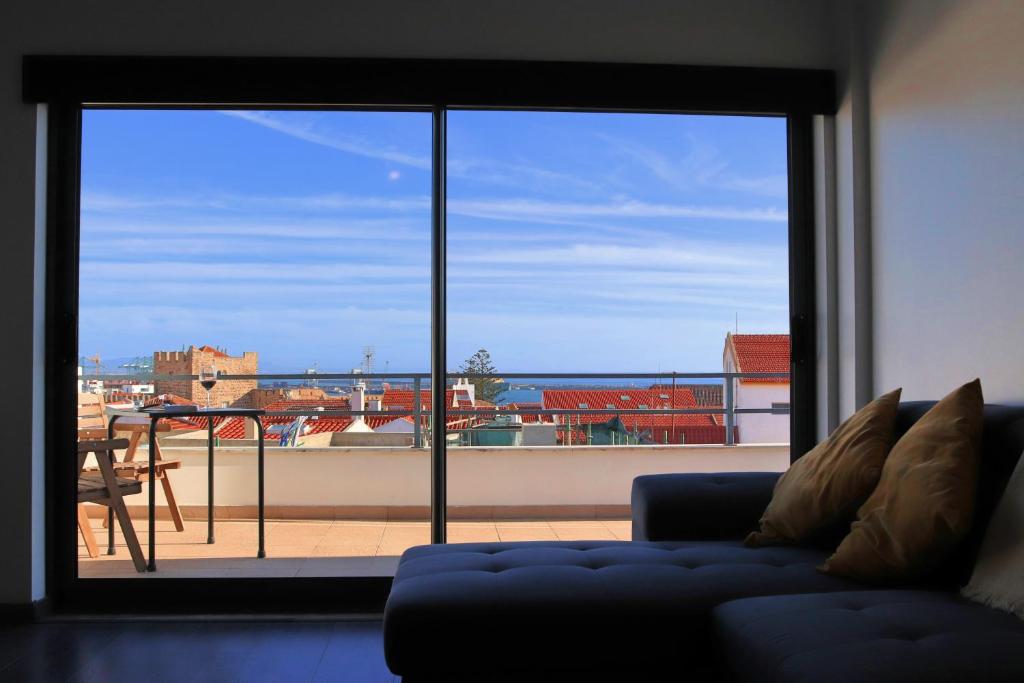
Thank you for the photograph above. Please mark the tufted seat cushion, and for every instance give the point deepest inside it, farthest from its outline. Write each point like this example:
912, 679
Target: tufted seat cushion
568, 605
877, 636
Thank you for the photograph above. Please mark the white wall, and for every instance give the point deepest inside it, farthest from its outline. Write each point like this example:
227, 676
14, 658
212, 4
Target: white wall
947, 195
790, 33
579, 475
762, 427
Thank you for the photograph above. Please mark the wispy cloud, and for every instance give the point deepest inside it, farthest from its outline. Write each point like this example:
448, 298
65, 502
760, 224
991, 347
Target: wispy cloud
487, 171
308, 130
510, 208
677, 255
247, 271
110, 203
533, 209
100, 201
520, 175
402, 229
703, 166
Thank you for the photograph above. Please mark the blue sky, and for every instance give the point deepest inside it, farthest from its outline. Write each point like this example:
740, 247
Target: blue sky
576, 242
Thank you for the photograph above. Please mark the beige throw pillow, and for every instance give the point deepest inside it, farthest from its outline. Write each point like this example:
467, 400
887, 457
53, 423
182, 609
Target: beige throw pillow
998, 578
924, 501
825, 486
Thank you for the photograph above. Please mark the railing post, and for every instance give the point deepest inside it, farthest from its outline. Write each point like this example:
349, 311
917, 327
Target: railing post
417, 407
730, 415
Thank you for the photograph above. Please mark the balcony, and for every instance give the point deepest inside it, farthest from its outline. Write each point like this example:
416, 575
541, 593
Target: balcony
345, 510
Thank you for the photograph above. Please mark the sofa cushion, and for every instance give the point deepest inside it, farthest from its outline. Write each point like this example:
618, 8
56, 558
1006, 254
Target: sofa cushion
1002, 444
998, 578
824, 488
878, 636
571, 605
923, 505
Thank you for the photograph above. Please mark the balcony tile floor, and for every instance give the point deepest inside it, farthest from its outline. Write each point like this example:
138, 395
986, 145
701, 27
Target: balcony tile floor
307, 548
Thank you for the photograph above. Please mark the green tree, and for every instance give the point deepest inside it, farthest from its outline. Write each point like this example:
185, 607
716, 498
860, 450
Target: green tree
485, 388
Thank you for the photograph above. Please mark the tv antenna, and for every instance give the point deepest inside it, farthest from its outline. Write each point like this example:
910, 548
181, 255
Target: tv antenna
368, 353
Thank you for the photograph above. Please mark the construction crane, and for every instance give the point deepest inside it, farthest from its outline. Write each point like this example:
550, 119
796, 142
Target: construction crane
368, 353
141, 365
96, 361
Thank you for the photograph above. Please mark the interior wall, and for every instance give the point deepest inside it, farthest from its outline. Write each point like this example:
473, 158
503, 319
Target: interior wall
782, 33
947, 195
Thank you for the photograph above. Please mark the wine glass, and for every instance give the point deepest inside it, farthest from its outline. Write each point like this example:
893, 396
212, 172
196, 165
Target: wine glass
208, 379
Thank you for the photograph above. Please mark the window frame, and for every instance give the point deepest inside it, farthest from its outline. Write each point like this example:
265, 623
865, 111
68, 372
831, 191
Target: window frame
67, 84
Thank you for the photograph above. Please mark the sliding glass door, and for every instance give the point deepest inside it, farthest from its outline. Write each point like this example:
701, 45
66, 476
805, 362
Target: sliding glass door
610, 274
287, 253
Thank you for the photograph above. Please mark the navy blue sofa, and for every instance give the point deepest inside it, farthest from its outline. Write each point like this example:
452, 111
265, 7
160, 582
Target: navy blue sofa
686, 600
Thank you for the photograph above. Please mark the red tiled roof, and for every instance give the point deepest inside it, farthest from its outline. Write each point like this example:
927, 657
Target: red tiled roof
402, 399
601, 399
309, 403
235, 428
185, 422
691, 429
707, 395
761, 353
173, 399
206, 348
530, 418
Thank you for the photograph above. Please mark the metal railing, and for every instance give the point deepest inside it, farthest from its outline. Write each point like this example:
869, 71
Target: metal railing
728, 409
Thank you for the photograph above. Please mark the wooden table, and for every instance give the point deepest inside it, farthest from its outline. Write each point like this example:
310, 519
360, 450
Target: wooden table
154, 416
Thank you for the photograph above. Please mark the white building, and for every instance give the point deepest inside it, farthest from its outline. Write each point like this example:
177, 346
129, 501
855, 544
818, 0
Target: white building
759, 353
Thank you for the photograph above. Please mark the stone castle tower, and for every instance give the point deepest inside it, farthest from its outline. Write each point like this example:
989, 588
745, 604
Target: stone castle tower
233, 393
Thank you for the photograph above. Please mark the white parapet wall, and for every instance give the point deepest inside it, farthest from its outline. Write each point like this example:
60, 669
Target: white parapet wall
484, 476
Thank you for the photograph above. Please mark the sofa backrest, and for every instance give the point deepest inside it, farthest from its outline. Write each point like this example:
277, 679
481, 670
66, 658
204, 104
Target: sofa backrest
1002, 444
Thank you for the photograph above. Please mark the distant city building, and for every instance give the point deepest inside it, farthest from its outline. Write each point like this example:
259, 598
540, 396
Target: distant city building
233, 393
706, 395
759, 353
261, 398
588, 427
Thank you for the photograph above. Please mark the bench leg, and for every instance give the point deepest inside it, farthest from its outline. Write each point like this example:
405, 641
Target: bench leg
116, 502
134, 549
172, 504
86, 530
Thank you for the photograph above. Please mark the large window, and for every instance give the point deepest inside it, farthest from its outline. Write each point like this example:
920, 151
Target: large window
584, 250
467, 299
290, 246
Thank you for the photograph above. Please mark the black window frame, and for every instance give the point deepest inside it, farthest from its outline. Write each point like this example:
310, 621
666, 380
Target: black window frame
67, 84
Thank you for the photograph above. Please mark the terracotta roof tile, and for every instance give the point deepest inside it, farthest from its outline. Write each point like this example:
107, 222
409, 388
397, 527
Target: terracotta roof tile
761, 353
206, 348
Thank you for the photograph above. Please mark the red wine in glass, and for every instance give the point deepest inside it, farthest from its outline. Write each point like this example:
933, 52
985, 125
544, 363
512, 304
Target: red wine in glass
208, 379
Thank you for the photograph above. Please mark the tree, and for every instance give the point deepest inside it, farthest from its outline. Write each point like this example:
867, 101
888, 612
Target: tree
485, 388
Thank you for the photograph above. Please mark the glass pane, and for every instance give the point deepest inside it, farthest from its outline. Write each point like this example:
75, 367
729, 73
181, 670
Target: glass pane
609, 244
287, 243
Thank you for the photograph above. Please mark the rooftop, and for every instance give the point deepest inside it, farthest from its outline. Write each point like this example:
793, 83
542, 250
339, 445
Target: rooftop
760, 353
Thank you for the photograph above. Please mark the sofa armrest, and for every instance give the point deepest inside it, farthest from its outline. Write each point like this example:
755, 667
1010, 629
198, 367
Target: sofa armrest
684, 507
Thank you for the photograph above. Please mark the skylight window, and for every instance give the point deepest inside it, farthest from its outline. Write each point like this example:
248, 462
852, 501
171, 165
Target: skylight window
609, 406
643, 406
623, 397
584, 405
663, 396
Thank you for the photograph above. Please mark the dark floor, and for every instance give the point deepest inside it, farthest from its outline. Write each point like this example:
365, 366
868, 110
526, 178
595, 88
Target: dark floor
184, 652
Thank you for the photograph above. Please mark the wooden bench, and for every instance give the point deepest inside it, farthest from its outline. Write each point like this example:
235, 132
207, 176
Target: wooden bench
103, 487
93, 423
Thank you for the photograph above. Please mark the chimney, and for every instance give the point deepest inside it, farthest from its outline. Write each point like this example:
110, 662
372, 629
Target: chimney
358, 400
463, 384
